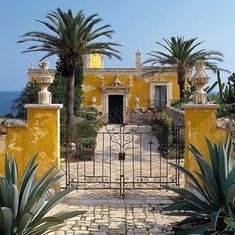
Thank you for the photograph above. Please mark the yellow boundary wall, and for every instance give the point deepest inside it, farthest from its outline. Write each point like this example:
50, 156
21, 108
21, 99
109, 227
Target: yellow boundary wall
40, 135
200, 122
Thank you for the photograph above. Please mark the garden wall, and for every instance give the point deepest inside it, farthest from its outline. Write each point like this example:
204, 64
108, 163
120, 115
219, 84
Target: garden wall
176, 115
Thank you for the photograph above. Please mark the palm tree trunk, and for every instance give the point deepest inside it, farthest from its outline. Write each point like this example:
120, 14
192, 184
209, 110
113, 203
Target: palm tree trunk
70, 98
181, 82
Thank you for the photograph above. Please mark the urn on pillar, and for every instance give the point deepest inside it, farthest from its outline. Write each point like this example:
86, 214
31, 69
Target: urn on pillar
93, 100
137, 100
44, 80
199, 79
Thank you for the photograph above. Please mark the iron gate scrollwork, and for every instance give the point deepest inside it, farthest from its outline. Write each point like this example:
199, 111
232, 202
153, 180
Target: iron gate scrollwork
120, 156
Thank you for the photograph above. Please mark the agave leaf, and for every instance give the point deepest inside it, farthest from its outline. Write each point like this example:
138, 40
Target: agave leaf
195, 152
50, 204
197, 230
68, 215
229, 150
5, 188
203, 215
5, 220
223, 166
189, 195
231, 193
47, 184
228, 187
193, 219
230, 222
39, 183
26, 174
59, 217
214, 217
24, 220
27, 188
181, 205
208, 174
231, 207
14, 171
32, 205
194, 180
215, 199
45, 224
181, 213
14, 200
41, 203
214, 159
194, 187
7, 169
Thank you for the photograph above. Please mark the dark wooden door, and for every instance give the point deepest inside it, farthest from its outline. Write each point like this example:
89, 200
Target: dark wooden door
116, 109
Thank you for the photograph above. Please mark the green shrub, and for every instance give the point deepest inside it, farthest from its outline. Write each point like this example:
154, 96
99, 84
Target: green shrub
29, 95
85, 129
163, 129
23, 207
160, 129
211, 190
88, 113
84, 136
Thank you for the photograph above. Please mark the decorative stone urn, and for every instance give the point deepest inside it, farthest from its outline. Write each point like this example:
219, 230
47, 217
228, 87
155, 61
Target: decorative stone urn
93, 100
199, 79
44, 80
137, 100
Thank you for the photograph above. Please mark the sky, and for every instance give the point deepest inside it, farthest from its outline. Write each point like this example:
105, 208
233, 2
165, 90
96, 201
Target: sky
138, 24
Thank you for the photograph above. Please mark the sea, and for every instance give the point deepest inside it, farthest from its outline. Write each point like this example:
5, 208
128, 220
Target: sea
6, 99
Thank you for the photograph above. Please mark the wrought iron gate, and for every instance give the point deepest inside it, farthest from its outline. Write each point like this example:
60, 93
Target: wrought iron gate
119, 157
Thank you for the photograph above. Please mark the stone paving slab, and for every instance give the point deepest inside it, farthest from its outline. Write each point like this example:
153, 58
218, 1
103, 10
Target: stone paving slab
108, 215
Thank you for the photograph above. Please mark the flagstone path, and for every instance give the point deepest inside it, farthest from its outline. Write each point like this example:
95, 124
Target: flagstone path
137, 214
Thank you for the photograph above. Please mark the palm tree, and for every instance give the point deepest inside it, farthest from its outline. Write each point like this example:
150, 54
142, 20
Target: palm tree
181, 55
70, 37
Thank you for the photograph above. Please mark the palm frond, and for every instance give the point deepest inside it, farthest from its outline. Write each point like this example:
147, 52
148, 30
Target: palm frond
71, 36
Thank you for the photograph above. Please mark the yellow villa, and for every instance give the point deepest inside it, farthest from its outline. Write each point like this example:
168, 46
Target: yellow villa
137, 87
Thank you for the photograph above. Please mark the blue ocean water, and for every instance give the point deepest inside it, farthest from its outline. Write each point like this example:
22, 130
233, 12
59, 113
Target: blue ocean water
6, 98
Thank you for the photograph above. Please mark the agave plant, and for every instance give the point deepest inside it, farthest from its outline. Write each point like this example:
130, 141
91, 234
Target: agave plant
230, 220
24, 207
210, 191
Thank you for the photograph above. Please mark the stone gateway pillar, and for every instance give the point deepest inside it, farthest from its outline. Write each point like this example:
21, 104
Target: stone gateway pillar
40, 134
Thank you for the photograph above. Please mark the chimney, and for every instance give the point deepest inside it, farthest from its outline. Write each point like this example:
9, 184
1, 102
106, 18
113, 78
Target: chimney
137, 60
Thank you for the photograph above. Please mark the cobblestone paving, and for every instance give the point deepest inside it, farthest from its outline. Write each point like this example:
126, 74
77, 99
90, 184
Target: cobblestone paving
138, 213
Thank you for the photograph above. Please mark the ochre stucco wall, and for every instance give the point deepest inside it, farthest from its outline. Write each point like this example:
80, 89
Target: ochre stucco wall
140, 87
200, 121
41, 135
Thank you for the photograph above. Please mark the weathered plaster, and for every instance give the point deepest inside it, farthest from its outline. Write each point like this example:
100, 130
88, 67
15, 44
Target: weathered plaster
41, 135
200, 122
